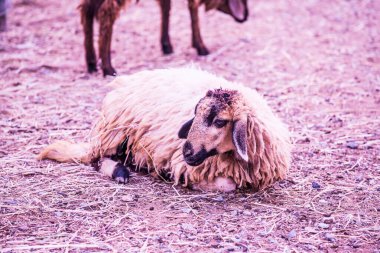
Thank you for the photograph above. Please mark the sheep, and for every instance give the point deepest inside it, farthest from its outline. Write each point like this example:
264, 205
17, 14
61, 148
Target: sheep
107, 11
233, 140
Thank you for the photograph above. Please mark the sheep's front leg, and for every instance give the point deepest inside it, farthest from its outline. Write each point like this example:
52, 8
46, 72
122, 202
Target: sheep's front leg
87, 17
107, 15
165, 16
196, 33
113, 169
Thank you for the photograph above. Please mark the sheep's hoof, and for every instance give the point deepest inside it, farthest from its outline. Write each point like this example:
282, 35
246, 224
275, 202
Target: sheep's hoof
167, 49
109, 71
202, 51
91, 68
120, 173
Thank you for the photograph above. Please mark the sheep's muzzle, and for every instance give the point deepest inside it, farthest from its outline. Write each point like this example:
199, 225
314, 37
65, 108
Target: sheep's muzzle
198, 158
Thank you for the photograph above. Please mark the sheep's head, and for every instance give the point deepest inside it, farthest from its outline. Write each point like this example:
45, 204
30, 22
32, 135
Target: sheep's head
238, 9
215, 129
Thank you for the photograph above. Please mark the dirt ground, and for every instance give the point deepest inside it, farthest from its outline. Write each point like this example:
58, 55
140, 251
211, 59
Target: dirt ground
317, 63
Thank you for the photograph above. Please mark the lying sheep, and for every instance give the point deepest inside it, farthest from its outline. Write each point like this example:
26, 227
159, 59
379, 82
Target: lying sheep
106, 11
233, 140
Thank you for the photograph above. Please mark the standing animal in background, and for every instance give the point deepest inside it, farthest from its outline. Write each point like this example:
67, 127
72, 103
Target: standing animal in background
106, 11
238, 9
231, 137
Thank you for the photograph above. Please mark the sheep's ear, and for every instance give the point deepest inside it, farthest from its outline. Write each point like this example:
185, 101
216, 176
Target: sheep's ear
238, 9
239, 137
184, 131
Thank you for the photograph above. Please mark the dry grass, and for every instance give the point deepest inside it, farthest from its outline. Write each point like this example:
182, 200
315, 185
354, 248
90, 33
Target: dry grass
317, 62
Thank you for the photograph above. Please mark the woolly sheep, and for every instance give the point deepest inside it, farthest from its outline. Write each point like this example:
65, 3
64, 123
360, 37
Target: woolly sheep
234, 139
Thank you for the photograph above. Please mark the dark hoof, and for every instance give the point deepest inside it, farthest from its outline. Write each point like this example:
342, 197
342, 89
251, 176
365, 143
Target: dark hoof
109, 72
202, 51
95, 163
91, 68
167, 49
121, 173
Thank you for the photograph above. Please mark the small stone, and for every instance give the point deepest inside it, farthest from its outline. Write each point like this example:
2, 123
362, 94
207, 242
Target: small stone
23, 228
58, 214
292, 234
378, 189
262, 233
315, 185
188, 227
310, 229
151, 208
330, 237
234, 213
247, 213
236, 239
352, 145
322, 201
323, 225
219, 199
359, 178
328, 220
186, 210
127, 198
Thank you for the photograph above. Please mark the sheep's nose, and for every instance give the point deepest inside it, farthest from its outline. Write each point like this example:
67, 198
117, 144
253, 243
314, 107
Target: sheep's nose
188, 150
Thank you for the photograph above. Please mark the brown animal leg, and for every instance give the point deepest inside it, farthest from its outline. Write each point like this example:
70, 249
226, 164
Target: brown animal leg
107, 15
3, 23
165, 15
196, 33
87, 17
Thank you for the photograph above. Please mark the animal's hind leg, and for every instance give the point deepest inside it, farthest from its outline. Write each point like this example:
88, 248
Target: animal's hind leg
113, 169
87, 10
196, 33
165, 15
107, 15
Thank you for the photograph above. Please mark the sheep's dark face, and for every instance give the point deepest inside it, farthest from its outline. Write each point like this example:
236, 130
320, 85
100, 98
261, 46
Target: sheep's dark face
238, 9
213, 130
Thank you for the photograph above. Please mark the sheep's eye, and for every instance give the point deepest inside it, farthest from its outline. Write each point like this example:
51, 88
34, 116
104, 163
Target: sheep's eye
219, 123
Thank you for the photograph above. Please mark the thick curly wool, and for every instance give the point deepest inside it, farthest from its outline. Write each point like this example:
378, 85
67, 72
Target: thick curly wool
149, 108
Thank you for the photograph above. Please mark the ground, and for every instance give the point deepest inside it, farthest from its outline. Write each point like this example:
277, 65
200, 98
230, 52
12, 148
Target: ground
316, 62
